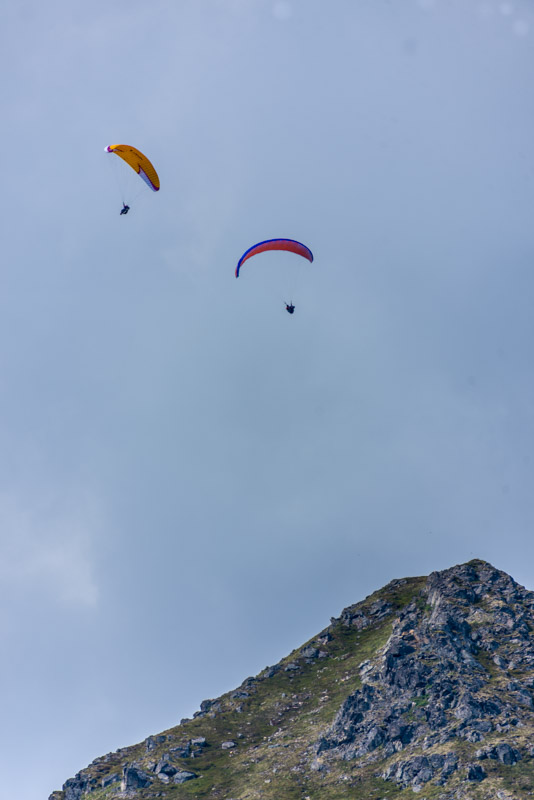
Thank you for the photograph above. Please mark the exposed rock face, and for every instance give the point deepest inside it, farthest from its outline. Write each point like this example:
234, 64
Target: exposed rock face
434, 681
445, 698
134, 778
421, 769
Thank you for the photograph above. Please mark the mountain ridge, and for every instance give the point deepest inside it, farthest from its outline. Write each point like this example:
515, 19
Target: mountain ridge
425, 686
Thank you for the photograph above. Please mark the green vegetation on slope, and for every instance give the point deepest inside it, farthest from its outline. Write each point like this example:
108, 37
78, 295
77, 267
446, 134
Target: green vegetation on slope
275, 726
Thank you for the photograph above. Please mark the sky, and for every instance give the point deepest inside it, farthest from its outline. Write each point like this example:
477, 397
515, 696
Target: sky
192, 481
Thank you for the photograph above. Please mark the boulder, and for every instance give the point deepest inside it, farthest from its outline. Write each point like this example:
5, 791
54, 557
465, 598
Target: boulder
182, 776
475, 773
134, 778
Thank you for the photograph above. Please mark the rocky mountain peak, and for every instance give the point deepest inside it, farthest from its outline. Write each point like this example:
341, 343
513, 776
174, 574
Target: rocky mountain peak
426, 685
458, 665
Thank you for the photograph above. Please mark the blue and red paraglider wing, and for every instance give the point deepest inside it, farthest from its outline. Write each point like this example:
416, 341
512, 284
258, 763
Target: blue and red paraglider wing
290, 245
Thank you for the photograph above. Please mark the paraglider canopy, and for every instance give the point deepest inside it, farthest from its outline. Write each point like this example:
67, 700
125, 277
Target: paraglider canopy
290, 245
138, 162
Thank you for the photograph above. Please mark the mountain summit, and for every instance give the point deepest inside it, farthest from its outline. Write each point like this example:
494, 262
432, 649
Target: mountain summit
426, 686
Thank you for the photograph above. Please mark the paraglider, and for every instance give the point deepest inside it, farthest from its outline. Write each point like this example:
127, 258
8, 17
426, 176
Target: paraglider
290, 245
139, 163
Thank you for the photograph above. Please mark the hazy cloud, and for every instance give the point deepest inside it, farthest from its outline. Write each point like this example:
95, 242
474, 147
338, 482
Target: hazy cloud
47, 549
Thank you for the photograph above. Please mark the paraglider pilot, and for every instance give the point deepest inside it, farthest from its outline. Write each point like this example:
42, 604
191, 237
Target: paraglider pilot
290, 308
124, 209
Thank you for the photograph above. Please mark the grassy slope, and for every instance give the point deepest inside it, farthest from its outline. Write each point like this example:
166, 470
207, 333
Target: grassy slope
275, 726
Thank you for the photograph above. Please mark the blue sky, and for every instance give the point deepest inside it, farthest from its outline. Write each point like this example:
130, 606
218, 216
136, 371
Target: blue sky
192, 481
